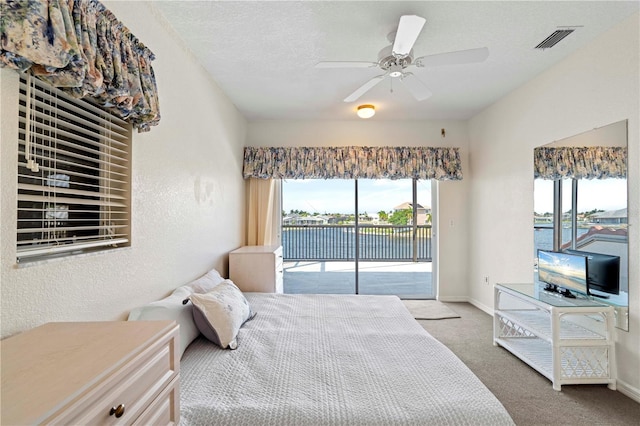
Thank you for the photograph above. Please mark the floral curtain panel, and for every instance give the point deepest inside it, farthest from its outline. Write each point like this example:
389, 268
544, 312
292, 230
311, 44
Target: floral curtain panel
80, 47
352, 163
595, 162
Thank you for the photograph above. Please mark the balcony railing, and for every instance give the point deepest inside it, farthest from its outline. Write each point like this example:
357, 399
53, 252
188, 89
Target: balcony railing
338, 242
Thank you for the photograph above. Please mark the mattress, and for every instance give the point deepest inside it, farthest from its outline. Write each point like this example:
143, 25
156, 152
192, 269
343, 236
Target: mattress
332, 360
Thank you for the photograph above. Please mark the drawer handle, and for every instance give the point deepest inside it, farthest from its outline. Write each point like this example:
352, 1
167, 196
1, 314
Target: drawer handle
118, 411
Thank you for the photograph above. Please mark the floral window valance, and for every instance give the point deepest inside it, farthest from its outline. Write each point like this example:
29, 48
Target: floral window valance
352, 163
80, 47
594, 162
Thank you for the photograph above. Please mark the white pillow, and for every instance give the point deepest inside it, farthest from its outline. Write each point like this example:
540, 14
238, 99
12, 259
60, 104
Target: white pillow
206, 282
220, 313
171, 308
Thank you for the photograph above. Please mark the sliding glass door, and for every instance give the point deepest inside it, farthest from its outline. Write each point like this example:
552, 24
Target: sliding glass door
395, 241
318, 236
384, 248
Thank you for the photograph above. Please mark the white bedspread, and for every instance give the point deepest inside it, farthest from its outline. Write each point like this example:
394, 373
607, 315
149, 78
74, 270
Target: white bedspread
330, 360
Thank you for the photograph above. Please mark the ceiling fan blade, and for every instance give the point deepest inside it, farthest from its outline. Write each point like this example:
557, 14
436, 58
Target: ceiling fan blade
346, 64
453, 58
364, 88
416, 87
408, 31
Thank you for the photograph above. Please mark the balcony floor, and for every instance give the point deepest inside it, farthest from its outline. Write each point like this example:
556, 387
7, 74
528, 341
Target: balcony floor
408, 280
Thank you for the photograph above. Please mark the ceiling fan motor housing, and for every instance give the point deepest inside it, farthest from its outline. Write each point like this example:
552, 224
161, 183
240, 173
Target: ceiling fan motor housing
388, 62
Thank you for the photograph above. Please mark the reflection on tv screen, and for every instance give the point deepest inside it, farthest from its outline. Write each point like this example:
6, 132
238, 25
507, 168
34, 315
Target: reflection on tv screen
568, 271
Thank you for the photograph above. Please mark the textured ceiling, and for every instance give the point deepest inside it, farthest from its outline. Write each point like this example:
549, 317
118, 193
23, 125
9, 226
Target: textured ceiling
262, 54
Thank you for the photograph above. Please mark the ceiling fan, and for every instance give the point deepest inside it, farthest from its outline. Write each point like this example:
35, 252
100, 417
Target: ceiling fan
395, 59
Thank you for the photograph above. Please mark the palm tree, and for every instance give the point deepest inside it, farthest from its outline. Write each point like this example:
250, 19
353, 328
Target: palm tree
401, 217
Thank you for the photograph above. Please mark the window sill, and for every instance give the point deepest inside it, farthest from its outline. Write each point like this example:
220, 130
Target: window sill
66, 257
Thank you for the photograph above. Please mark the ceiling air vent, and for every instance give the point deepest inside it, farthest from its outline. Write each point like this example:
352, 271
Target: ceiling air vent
554, 38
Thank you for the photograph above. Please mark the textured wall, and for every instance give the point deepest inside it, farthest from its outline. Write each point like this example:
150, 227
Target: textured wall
452, 213
596, 86
187, 200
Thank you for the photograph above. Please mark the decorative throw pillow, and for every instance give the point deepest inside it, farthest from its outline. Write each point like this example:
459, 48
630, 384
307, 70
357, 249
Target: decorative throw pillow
220, 313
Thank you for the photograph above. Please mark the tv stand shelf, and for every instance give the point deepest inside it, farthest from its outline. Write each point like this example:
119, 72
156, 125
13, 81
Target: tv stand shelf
569, 341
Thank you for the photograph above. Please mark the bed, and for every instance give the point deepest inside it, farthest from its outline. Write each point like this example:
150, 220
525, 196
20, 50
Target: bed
329, 360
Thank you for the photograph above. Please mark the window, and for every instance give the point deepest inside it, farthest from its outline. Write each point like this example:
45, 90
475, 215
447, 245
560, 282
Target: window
597, 212
73, 175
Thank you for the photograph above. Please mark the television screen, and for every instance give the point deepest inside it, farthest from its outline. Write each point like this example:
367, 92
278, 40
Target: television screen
565, 270
603, 272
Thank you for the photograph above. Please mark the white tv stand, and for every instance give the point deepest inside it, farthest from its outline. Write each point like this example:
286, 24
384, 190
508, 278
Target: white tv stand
569, 341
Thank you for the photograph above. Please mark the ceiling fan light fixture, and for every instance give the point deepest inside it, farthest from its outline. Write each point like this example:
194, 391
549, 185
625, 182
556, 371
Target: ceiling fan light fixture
395, 71
366, 111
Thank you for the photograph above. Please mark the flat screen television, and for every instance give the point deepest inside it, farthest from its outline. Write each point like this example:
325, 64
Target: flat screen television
563, 272
603, 272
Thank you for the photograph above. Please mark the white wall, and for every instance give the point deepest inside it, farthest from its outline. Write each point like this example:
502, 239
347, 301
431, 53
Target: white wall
373, 132
187, 199
596, 86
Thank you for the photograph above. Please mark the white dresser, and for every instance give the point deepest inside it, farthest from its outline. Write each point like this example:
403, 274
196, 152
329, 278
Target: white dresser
257, 268
92, 373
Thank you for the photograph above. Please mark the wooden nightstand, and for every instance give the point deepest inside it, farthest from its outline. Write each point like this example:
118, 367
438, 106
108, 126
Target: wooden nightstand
92, 373
257, 268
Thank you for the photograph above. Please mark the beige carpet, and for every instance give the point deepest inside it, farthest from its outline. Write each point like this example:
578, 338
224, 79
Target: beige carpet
527, 395
429, 309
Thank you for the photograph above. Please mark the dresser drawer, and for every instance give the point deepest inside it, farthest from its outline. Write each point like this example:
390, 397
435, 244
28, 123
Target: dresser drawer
279, 286
132, 388
278, 257
165, 410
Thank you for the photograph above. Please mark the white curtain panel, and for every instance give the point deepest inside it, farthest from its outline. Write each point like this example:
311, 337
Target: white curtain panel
263, 211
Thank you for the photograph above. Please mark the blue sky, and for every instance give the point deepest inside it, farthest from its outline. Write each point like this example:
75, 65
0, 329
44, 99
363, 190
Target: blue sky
605, 194
337, 195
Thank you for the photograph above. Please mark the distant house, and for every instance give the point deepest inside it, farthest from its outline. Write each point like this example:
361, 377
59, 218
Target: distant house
543, 219
295, 219
337, 219
612, 217
423, 213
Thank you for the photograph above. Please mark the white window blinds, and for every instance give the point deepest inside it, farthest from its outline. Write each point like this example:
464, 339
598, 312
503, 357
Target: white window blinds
73, 175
